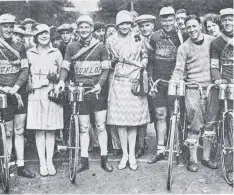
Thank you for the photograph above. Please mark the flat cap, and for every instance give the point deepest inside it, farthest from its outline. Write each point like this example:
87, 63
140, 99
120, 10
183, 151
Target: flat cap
54, 33
167, 11
99, 25
84, 18
28, 21
40, 28
19, 29
145, 18
227, 11
110, 25
7, 18
65, 27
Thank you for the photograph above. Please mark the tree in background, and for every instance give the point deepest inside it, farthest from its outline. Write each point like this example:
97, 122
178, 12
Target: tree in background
51, 12
109, 8
43, 11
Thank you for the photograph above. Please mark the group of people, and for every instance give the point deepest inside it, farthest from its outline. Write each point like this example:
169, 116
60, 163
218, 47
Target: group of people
117, 61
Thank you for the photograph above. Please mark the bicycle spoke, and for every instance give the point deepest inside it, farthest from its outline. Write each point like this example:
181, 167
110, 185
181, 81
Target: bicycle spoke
227, 148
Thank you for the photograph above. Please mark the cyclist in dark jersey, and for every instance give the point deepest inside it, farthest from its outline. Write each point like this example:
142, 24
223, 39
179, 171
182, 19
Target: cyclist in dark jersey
165, 43
91, 69
13, 75
222, 57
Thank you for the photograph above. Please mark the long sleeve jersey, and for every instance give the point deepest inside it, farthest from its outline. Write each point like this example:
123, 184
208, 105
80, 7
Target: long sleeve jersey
164, 46
193, 61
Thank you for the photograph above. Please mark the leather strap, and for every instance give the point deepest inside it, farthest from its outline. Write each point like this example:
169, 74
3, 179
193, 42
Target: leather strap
83, 50
8, 47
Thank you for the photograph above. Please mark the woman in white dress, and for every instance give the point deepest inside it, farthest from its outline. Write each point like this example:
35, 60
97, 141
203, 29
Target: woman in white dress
44, 116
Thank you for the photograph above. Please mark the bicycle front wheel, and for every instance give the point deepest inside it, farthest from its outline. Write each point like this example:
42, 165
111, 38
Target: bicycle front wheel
173, 129
227, 147
4, 177
73, 145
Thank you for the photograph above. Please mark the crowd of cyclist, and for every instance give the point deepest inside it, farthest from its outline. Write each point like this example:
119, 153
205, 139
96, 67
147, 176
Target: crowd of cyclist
117, 61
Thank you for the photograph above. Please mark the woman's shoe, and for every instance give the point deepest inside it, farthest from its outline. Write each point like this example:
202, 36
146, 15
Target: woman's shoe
43, 171
123, 164
132, 163
133, 167
51, 170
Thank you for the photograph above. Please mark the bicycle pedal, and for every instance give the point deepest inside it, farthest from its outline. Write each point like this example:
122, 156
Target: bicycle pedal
180, 165
11, 164
12, 169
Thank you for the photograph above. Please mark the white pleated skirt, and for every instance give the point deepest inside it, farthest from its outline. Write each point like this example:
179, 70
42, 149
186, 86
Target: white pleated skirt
43, 114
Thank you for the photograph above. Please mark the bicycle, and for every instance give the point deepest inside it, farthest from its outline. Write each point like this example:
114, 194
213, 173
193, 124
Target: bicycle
225, 127
3, 151
4, 164
75, 98
176, 135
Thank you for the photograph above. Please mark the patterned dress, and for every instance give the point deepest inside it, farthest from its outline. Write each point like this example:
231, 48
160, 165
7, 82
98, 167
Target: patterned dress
124, 108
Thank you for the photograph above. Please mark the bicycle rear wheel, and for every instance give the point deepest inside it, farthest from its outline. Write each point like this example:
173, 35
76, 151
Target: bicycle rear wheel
4, 177
227, 147
73, 144
172, 143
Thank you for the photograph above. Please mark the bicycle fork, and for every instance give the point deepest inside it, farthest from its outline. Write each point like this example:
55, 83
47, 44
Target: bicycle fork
66, 147
174, 132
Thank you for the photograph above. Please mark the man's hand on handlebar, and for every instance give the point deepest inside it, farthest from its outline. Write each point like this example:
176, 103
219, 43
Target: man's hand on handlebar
5, 89
97, 89
13, 89
176, 78
220, 81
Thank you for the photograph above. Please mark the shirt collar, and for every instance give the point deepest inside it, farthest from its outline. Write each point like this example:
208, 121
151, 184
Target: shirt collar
51, 49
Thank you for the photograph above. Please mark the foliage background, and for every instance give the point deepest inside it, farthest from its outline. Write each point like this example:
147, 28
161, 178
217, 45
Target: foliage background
43, 11
52, 13
109, 8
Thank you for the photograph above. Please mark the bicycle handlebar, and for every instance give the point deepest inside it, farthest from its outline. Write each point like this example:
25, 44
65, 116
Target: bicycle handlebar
186, 83
18, 97
199, 87
90, 91
222, 81
155, 84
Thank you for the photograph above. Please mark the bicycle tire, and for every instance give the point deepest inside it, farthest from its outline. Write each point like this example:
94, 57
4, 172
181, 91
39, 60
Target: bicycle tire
73, 144
173, 127
227, 141
4, 160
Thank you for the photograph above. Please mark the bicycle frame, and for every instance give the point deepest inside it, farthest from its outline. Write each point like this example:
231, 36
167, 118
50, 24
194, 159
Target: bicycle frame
174, 144
225, 150
4, 158
174, 117
74, 132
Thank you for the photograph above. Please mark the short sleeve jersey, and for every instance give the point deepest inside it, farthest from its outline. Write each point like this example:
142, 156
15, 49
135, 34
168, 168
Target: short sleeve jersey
89, 66
222, 57
9, 73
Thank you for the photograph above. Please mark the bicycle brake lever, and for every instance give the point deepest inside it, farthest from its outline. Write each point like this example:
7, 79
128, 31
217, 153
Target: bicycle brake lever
90, 91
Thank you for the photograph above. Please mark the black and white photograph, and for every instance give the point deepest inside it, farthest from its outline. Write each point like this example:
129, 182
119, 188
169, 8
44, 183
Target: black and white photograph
116, 96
